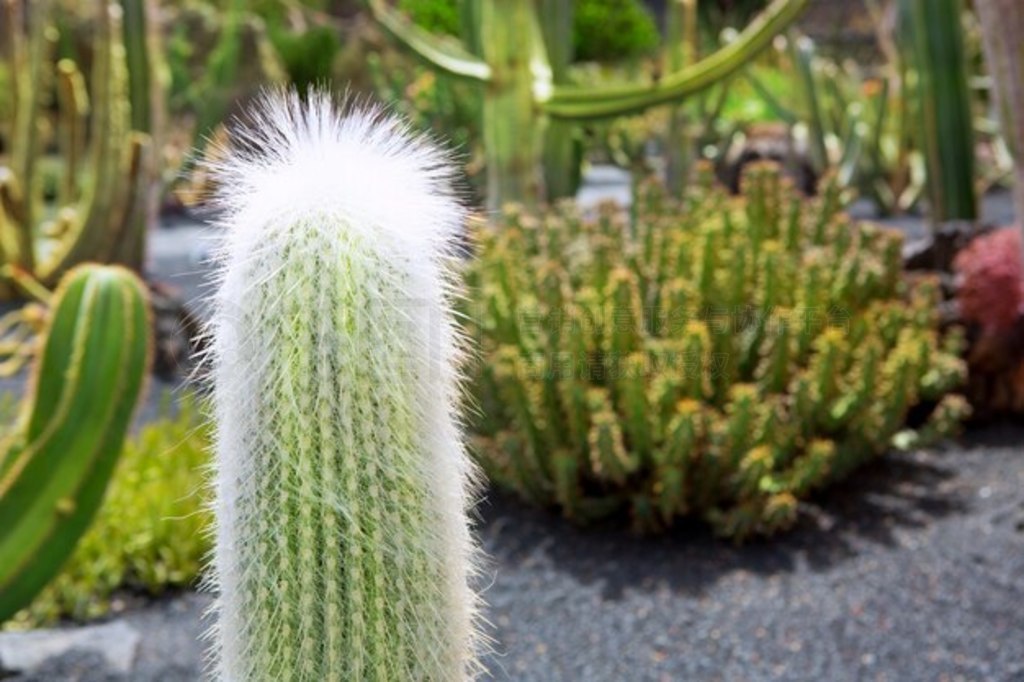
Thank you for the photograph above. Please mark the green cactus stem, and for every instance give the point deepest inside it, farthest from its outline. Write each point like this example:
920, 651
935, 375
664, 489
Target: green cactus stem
528, 96
938, 56
57, 461
108, 172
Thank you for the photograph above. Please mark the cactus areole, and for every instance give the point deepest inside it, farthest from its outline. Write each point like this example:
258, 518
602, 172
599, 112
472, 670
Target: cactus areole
343, 549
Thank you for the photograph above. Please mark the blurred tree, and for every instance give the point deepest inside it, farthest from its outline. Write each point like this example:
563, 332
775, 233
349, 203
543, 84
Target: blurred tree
1002, 24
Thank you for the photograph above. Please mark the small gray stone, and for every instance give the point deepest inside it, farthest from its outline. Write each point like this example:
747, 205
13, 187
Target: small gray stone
115, 642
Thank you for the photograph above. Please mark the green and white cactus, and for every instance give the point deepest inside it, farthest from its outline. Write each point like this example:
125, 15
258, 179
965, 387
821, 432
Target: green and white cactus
343, 549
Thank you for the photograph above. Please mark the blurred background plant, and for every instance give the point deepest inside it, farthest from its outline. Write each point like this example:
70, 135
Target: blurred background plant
720, 357
74, 182
530, 97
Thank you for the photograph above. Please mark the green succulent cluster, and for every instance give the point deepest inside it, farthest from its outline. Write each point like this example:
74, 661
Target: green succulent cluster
150, 534
722, 357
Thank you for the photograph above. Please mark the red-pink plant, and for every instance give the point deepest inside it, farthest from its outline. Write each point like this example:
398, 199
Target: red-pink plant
990, 275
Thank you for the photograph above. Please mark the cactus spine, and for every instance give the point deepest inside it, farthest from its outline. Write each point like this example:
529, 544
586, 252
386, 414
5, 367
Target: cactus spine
343, 546
55, 465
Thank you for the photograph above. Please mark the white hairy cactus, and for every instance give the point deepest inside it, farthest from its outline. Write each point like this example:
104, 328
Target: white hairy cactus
343, 549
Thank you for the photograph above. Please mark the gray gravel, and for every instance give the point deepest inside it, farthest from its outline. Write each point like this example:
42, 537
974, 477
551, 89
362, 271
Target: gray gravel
910, 570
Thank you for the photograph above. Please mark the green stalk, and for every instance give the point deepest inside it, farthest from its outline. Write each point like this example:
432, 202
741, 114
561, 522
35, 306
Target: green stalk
562, 154
513, 136
682, 48
469, 16
25, 194
947, 126
95, 235
55, 465
802, 50
607, 101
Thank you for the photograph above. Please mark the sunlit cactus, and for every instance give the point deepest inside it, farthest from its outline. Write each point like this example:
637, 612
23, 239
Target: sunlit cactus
722, 356
522, 66
56, 461
343, 549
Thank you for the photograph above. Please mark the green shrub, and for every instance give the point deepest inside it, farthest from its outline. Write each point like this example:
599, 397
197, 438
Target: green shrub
603, 30
606, 30
307, 56
438, 16
722, 358
149, 534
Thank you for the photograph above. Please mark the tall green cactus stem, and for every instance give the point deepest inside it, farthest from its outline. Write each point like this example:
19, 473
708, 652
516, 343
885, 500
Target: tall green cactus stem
522, 92
940, 61
513, 140
57, 461
343, 546
682, 49
561, 145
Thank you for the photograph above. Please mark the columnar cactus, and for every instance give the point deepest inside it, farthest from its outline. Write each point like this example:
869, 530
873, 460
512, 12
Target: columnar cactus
522, 67
104, 184
56, 462
343, 550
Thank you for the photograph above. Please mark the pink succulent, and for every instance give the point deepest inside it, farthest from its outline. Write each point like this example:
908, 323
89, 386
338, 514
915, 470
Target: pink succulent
990, 277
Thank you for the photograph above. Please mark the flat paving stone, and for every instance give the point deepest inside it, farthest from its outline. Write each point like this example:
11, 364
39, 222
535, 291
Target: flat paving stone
113, 645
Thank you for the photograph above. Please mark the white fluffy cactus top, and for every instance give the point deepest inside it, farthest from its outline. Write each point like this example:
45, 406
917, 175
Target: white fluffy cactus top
343, 550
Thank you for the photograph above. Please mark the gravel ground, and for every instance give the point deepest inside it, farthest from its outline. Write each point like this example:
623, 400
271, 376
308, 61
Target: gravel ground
910, 570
